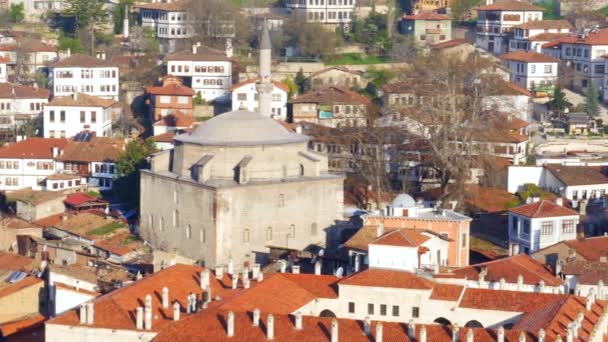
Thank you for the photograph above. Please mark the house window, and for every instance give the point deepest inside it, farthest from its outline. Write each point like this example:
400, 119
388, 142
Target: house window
395, 310
93, 117
351, 307
188, 232
574, 194
526, 226
382, 309
241, 96
464, 240
546, 228
175, 218
532, 69
422, 37
568, 226
292, 231
82, 116
62, 116
370, 309
415, 312
276, 97
165, 99
52, 116
548, 68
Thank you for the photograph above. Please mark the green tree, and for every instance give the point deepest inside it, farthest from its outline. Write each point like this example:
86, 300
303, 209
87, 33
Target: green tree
559, 99
372, 32
89, 15
128, 164
302, 82
66, 43
198, 99
16, 13
293, 87
379, 77
592, 103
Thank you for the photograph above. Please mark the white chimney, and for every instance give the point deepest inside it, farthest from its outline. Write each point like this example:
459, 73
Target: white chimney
176, 311
334, 330
148, 317
207, 292
318, 267
522, 337
125, 24
204, 279
230, 324
165, 297
500, 335
194, 49
260, 276
245, 273
559, 201
230, 267
270, 327
83, 314
246, 283
455, 335
379, 332
411, 329
541, 335
255, 271
422, 334
283, 266
295, 269
229, 48
298, 320
235, 281
139, 318
367, 326
520, 282
470, 335
256, 317
90, 313
219, 272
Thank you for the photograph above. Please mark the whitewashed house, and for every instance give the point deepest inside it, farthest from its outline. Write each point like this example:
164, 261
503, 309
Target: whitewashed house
333, 13
531, 35
3, 69
26, 164
496, 20
33, 55
84, 74
66, 116
169, 20
18, 104
206, 71
245, 96
539, 224
532, 70
575, 183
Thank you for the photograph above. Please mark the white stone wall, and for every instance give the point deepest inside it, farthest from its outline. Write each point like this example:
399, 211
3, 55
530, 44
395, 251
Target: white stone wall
250, 103
96, 85
67, 333
73, 124
535, 240
204, 81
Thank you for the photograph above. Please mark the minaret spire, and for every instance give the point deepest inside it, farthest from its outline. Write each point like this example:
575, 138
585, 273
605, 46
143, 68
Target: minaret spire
264, 86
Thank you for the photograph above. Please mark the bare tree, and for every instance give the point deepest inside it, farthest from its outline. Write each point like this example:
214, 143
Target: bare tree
214, 21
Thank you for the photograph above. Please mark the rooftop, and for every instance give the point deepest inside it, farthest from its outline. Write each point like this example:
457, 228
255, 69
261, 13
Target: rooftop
543, 208
387, 278
176, 119
402, 237
175, 5
34, 197
449, 44
284, 87
510, 5
15, 91
203, 54
82, 61
426, 16
241, 128
591, 248
332, 96
578, 175
529, 57
597, 37
173, 89
545, 25
82, 100
97, 149
32, 148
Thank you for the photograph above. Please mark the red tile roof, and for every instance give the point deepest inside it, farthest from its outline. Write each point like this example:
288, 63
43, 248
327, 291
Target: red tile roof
426, 16
25, 323
15, 91
578, 175
591, 248
481, 198
50, 221
14, 262
547, 37
447, 292
543, 208
97, 149
172, 89
120, 243
599, 37
82, 100
80, 198
116, 310
333, 95
283, 293
401, 237
512, 301
212, 325
509, 269
545, 25
449, 44
510, 5
176, 119
82, 61
32, 148
177, 5
20, 285
387, 278
528, 57
284, 87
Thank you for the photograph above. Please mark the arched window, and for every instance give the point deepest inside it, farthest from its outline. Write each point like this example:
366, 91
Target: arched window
313, 229
203, 236
473, 324
161, 224
442, 321
188, 232
268, 233
175, 196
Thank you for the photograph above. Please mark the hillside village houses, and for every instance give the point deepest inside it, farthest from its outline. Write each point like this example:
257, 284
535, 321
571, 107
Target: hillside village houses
38, 10
337, 76
19, 103
539, 224
84, 74
207, 71
532, 70
331, 13
169, 20
496, 21
33, 54
333, 107
66, 116
531, 36
427, 28
169, 97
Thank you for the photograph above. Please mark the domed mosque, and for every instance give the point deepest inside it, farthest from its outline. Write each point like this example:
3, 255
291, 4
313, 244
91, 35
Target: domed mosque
238, 184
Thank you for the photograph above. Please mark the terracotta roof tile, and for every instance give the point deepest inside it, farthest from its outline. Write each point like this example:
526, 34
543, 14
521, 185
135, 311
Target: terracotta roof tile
203, 54
177, 5
283, 293
120, 243
82, 100
599, 37
82, 61
547, 37
15, 91
176, 119
587, 272
591, 248
80, 198
545, 25
578, 175
16, 223
35, 197
387, 278
447, 292
14, 262
510, 5
172, 89
98, 149
402, 237
509, 269
284, 87
32, 148
26, 323
482, 198
333, 95
542, 209
339, 68
49, 221
512, 301
449, 44
528, 57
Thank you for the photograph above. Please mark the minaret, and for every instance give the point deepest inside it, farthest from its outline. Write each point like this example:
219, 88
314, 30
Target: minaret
264, 85
125, 24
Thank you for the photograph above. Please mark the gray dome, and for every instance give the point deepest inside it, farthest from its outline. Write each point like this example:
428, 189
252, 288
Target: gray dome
403, 201
239, 128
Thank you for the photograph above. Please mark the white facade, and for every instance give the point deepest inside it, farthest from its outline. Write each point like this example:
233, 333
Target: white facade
407, 258
3, 72
494, 27
17, 173
67, 121
519, 105
532, 234
246, 97
97, 81
530, 75
334, 12
525, 39
169, 26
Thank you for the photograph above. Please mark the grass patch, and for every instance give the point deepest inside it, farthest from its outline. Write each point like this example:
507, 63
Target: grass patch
107, 229
202, 118
484, 245
355, 59
129, 239
93, 194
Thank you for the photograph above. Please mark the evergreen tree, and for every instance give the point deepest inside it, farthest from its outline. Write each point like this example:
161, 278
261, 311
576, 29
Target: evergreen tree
128, 164
592, 104
559, 99
302, 82
16, 13
89, 15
